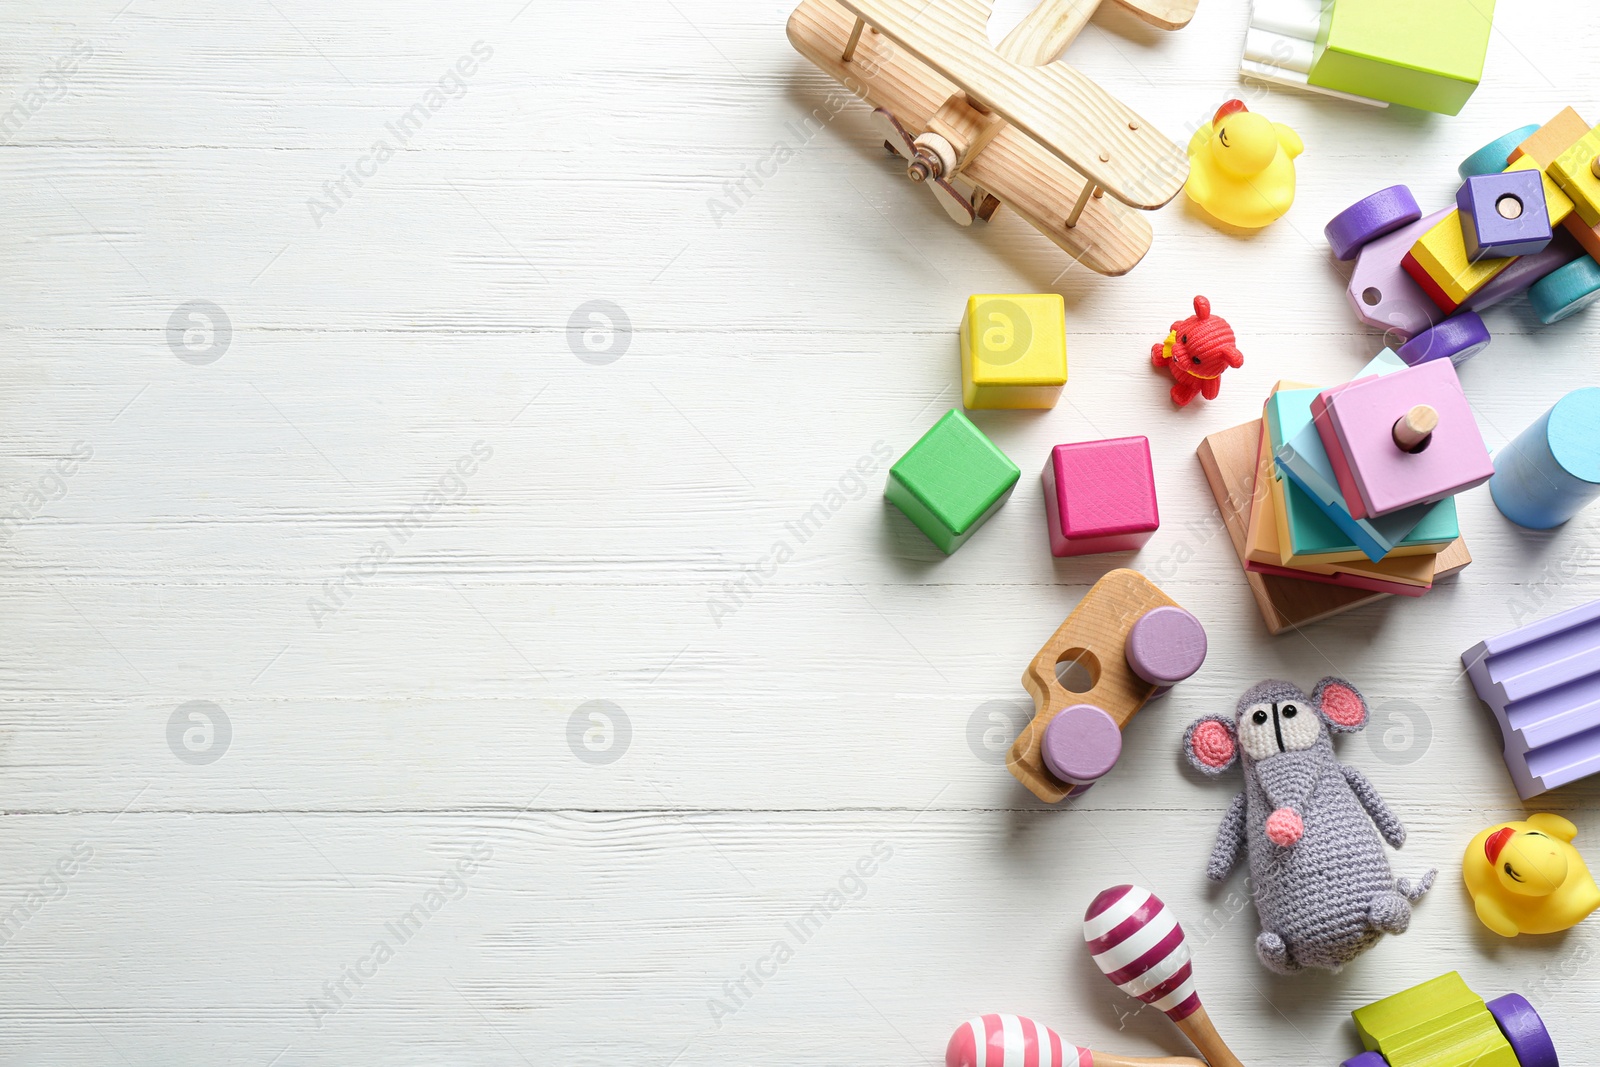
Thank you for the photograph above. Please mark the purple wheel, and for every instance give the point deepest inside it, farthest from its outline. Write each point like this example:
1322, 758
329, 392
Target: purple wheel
1081, 744
1166, 646
1366, 1059
1524, 1030
1457, 339
1385, 211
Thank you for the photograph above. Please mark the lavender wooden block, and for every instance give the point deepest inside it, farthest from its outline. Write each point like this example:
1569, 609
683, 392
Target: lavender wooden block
1522, 273
1382, 294
1504, 215
1543, 684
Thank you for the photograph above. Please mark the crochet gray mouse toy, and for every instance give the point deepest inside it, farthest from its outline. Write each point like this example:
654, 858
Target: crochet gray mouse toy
1318, 871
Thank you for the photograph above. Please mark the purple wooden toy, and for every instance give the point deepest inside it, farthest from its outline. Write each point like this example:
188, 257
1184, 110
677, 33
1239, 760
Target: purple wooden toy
1457, 339
1524, 1031
1504, 215
1384, 212
1081, 745
1382, 461
1525, 271
1543, 683
1383, 294
1166, 646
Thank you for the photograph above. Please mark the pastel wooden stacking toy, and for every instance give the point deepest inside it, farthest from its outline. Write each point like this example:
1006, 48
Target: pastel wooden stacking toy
1100, 496
1552, 470
1138, 944
1013, 351
1443, 1023
1016, 1041
1133, 643
1401, 439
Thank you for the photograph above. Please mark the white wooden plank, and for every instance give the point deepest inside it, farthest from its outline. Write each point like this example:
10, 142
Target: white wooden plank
842, 701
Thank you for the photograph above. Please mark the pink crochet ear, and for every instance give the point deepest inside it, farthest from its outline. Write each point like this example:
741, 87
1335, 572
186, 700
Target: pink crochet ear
1234, 357
1210, 745
1340, 704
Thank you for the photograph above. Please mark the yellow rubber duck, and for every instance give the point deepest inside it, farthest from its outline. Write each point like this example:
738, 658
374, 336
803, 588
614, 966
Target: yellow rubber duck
1241, 167
1526, 878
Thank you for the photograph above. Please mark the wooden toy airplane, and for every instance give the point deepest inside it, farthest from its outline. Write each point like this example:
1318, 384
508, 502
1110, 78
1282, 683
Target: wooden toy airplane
1006, 122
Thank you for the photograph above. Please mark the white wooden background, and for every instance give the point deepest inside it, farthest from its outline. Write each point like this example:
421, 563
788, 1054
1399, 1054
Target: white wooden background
187, 492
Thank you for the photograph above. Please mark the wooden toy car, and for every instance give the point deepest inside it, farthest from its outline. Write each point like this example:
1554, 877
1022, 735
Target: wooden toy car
1133, 643
1418, 277
1443, 1023
981, 126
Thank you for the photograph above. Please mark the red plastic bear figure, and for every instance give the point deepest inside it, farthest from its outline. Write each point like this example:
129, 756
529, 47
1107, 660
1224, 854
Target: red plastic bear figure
1197, 351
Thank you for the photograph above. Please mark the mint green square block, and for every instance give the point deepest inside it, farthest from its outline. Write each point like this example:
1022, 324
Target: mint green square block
1425, 54
951, 481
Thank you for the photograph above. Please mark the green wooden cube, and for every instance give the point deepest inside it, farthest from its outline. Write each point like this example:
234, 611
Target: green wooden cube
1441, 1023
1421, 53
951, 481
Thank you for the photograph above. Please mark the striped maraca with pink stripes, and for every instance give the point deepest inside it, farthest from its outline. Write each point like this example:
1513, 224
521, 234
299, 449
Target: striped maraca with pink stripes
1011, 1041
1136, 940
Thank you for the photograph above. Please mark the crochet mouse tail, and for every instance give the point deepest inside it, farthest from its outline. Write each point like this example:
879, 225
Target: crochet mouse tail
1414, 892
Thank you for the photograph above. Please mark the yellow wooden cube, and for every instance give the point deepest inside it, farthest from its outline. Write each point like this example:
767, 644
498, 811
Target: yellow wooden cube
1557, 202
1013, 350
1574, 172
1442, 254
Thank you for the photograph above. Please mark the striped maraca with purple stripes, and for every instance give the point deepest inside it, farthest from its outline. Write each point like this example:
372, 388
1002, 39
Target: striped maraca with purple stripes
1136, 940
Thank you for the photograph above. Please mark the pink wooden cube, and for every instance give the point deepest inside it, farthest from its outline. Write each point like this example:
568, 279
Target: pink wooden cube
1100, 496
1358, 423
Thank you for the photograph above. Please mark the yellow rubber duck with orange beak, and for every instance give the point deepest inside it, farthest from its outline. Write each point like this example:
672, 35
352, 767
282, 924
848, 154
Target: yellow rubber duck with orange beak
1241, 167
1526, 878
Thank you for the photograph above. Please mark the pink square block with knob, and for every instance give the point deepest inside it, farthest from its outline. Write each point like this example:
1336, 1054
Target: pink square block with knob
1100, 496
1401, 439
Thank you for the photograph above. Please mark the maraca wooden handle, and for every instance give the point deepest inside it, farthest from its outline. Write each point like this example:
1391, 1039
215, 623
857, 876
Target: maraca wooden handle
1106, 1059
1203, 1035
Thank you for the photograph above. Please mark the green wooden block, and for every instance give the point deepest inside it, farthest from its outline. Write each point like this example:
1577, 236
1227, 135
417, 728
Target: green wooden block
1426, 54
1441, 1023
1311, 532
951, 481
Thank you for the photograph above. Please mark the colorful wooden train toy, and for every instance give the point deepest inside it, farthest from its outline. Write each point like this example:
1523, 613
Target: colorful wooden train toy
1542, 682
1527, 219
1133, 643
1443, 1023
982, 126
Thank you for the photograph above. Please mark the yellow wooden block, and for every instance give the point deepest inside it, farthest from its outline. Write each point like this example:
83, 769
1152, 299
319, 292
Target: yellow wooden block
1558, 203
1574, 172
1013, 350
1442, 252
1553, 138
